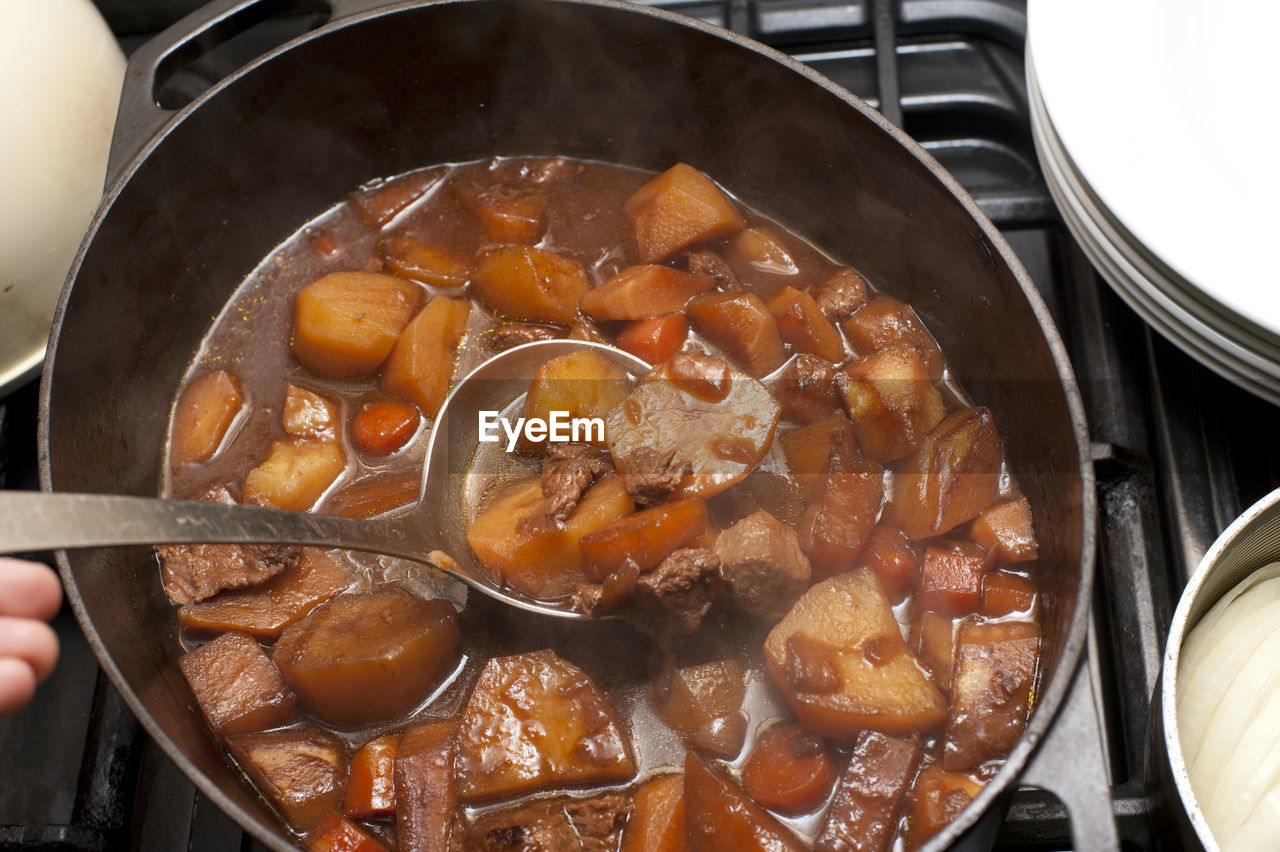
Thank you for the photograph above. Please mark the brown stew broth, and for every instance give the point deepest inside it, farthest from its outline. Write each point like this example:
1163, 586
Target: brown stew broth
251, 339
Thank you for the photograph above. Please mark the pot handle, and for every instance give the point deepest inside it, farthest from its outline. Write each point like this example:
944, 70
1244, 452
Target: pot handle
139, 117
1071, 764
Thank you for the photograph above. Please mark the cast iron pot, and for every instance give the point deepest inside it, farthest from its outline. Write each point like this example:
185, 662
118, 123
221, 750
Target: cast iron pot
197, 197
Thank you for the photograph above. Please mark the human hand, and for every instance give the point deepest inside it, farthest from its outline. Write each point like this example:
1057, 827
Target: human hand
30, 595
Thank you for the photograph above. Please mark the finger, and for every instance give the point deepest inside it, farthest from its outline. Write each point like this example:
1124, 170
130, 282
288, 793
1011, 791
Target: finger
17, 685
28, 589
31, 641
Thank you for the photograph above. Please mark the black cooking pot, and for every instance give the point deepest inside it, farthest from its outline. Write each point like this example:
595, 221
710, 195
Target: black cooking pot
199, 196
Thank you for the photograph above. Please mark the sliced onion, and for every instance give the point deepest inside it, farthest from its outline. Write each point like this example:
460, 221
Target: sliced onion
1229, 712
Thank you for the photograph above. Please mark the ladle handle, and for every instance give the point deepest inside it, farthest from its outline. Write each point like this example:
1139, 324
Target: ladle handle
39, 521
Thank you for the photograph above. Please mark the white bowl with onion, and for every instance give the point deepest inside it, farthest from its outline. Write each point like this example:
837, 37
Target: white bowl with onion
1218, 703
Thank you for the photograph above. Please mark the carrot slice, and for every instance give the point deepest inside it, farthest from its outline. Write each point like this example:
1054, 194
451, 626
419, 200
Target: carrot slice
336, 833
654, 340
657, 823
646, 537
384, 427
371, 790
789, 770
644, 292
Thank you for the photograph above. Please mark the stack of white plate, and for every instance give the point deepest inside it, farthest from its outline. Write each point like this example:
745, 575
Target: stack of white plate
1154, 122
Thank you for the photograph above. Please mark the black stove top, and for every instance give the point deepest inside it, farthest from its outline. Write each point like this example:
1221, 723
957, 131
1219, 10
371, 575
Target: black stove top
1179, 451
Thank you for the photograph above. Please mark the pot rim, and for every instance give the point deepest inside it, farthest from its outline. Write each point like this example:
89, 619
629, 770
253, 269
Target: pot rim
1050, 697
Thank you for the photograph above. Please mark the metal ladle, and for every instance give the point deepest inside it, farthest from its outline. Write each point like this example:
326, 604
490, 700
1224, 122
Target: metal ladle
433, 532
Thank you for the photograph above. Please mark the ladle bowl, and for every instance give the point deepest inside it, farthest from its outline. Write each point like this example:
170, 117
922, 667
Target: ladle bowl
457, 471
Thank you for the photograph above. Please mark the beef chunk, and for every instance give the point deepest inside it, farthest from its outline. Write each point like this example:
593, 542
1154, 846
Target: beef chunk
807, 389
589, 599
540, 827
193, 572
841, 295
238, 687
671, 598
710, 263
599, 820
761, 559
585, 329
558, 825
568, 471
679, 585
653, 476
512, 334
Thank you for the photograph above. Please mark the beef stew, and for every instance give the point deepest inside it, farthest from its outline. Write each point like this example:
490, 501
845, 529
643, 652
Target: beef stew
797, 494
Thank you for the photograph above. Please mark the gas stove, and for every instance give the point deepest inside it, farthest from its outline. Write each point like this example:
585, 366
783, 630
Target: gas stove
1178, 451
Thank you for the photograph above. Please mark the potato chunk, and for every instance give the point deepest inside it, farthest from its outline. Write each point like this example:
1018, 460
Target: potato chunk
536, 721
894, 558
406, 646
741, 325
884, 321
429, 263
507, 214
346, 322
266, 609
807, 449
759, 256
307, 414
676, 209
644, 292
938, 798
695, 440
530, 284
840, 661
934, 639
891, 401
953, 476
951, 577
995, 672
237, 686
1005, 593
693, 697
301, 771
420, 366
542, 560
722, 817
296, 474
1005, 528
804, 327
203, 416
582, 384
381, 201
